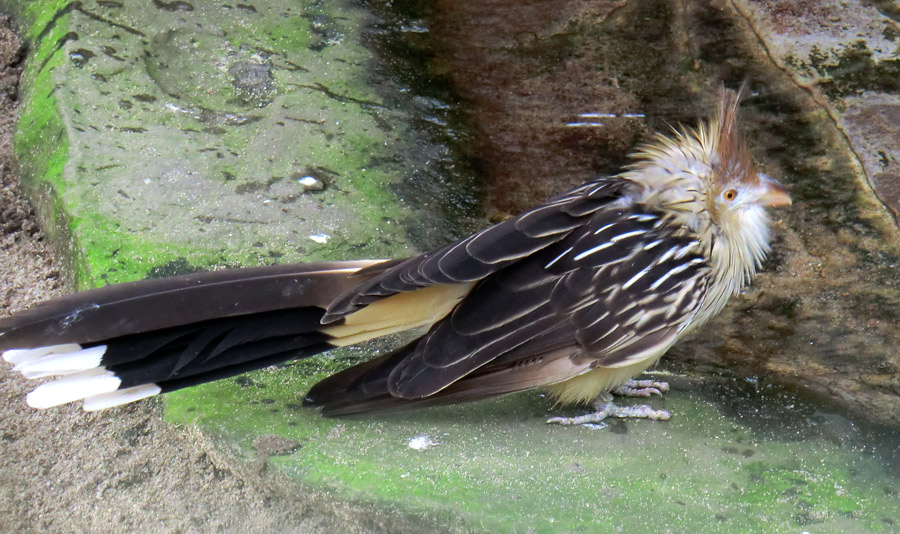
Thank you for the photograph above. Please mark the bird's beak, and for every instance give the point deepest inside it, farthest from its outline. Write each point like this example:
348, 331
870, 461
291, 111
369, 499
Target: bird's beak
774, 195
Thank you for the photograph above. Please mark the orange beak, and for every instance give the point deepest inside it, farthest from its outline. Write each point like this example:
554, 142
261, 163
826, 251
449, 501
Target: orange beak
775, 196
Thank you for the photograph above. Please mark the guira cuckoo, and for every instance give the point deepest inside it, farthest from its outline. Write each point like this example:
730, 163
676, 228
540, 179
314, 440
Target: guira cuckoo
577, 295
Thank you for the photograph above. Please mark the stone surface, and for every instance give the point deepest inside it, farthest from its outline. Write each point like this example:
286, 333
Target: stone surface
845, 53
837, 338
766, 462
167, 139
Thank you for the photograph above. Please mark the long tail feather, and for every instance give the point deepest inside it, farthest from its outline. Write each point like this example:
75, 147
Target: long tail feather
122, 343
148, 305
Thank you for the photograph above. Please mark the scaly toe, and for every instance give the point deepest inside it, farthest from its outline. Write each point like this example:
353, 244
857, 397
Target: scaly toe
641, 388
608, 409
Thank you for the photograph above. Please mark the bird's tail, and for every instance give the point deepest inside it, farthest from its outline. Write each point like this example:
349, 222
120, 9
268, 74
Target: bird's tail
125, 342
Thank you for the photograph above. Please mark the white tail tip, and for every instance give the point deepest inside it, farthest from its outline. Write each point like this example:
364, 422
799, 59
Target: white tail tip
20, 356
73, 387
62, 363
119, 397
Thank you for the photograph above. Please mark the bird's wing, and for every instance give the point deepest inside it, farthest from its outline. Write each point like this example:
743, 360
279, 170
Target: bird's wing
363, 388
484, 253
612, 290
629, 285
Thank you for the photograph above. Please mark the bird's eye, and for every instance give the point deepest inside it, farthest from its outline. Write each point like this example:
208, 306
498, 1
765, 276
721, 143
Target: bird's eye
730, 195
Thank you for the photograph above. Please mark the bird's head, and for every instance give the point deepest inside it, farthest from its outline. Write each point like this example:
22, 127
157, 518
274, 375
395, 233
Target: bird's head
705, 180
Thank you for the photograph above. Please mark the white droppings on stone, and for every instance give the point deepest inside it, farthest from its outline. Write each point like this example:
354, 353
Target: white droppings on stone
422, 443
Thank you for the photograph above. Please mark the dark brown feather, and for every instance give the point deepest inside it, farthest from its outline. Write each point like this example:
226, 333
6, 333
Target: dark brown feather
496, 380
147, 305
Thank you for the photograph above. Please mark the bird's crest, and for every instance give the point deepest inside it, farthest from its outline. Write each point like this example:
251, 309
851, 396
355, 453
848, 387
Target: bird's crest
723, 139
716, 143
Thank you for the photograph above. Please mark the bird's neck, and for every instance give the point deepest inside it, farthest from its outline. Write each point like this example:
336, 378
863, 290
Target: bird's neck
737, 247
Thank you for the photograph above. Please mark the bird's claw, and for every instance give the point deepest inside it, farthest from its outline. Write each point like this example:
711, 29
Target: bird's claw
608, 409
641, 388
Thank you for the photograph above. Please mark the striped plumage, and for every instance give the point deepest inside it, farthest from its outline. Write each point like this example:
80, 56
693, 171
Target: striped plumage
577, 295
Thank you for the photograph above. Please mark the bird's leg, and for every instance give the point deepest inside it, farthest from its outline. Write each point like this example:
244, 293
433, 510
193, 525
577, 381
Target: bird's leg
606, 408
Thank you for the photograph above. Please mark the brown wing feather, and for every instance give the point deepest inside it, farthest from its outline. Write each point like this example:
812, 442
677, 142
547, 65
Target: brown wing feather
602, 289
577, 300
554, 366
484, 253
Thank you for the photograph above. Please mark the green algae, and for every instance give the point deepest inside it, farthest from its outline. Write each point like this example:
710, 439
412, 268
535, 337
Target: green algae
40, 141
499, 468
852, 70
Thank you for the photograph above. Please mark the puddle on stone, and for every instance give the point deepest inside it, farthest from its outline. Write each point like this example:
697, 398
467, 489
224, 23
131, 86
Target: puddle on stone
403, 76
80, 57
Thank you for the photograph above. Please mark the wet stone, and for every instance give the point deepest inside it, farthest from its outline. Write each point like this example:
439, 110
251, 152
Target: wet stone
206, 70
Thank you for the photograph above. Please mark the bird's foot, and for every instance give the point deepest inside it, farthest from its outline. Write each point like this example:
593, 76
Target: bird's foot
608, 409
641, 388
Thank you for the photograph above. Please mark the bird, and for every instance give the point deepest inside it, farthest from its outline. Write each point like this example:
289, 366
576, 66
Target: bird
577, 296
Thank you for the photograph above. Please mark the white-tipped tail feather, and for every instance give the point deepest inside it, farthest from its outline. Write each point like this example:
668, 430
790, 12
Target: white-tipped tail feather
62, 363
82, 377
119, 397
20, 356
73, 387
